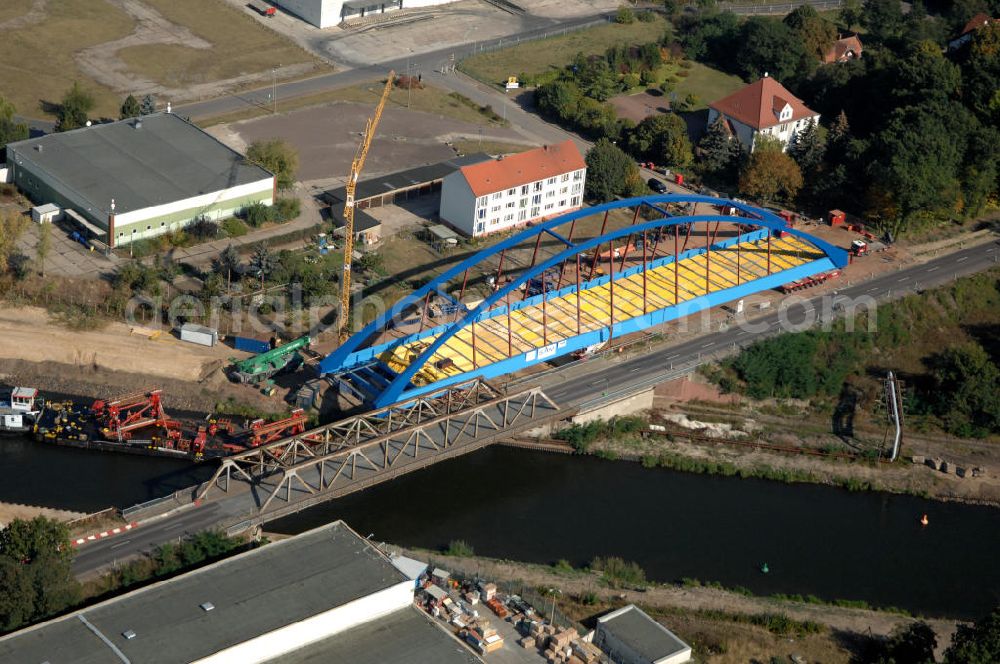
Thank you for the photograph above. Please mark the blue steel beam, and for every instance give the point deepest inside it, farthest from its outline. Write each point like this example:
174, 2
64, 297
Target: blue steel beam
336, 360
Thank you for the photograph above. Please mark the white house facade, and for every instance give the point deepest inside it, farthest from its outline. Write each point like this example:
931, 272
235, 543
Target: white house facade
764, 107
503, 193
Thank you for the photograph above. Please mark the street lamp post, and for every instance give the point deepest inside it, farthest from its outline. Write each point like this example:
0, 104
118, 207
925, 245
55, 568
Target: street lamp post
274, 90
552, 614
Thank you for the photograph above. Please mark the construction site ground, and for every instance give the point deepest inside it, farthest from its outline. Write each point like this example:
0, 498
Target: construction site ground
678, 608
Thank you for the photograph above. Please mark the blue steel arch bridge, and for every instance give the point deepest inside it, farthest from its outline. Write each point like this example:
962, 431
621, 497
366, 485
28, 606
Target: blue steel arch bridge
665, 265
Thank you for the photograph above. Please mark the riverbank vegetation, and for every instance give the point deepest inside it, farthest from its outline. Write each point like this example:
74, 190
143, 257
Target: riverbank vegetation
942, 343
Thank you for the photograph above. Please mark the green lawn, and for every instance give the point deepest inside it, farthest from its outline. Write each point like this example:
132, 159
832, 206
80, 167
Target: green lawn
14, 8
707, 84
537, 57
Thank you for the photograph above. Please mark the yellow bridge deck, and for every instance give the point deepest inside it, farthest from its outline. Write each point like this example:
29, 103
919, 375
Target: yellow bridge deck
527, 332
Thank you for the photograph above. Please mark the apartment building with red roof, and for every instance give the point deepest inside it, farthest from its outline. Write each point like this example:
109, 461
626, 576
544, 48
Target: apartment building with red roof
765, 107
514, 190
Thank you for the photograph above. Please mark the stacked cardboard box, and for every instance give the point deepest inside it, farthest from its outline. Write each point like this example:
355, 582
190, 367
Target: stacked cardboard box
528, 642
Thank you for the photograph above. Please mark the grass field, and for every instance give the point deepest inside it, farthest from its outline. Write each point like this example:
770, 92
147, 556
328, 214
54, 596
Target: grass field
241, 46
537, 57
14, 8
707, 84
36, 61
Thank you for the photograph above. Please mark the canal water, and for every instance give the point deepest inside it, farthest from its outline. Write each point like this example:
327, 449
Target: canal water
540, 507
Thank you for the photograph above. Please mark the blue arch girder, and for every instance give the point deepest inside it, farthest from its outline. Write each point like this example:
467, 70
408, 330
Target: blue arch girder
347, 356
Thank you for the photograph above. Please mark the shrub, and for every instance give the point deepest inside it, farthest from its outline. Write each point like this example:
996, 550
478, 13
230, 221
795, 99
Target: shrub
624, 16
286, 209
233, 227
618, 573
256, 214
459, 548
647, 16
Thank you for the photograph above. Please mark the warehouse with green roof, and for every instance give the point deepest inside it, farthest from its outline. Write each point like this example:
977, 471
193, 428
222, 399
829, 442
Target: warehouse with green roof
138, 178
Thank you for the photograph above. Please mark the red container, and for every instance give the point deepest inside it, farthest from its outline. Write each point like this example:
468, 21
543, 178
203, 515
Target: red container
678, 178
837, 217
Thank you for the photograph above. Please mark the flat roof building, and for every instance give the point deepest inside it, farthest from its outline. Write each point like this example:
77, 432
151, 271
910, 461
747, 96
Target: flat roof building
314, 597
328, 13
506, 192
138, 178
629, 636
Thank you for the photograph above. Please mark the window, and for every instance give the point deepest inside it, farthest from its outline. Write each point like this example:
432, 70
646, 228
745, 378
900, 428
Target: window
497, 195
549, 206
563, 190
481, 214
508, 217
480, 227
524, 203
512, 192
495, 208
482, 201
575, 200
564, 178
562, 203
551, 181
536, 199
162, 224
784, 128
578, 175
537, 186
534, 211
576, 188
524, 190
149, 228
550, 194
522, 215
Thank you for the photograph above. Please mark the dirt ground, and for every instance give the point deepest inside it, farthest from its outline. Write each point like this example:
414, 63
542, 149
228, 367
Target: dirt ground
326, 138
639, 106
11, 511
838, 619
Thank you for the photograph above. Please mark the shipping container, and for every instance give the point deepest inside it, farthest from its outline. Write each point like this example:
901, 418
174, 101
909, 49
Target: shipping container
197, 334
251, 345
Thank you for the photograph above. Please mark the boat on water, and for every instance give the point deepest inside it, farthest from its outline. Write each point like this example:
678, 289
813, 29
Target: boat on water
19, 409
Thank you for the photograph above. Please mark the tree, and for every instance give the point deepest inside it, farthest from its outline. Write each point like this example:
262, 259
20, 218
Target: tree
10, 129
717, 150
262, 262
850, 13
663, 139
770, 174
924, 74
978, 643
965, 395
278, 157
130, 108
43, 246
608, 171
914, 162
913, 644
981, 74
882, 18
710, 38
559, 99
814, 31
808, 146
76, 105
228, 263
148, 106
41, 549
769, 47
12, 224
624, 15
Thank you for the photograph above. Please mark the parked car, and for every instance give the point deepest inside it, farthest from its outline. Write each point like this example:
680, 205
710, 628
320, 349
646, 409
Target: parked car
657, 186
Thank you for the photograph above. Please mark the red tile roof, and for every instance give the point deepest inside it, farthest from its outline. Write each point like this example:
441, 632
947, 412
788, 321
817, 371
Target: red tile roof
759, 104
843, 50
979, 20
507, 172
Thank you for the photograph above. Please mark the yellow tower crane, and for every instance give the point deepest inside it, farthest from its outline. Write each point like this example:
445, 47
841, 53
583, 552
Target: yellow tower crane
352, 183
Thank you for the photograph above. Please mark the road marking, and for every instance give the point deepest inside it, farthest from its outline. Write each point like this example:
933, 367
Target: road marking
963, 258
172, 526
115, 546
634, 370
902, 279
743, 333
598, 382
711, 343
670, 357
931, 269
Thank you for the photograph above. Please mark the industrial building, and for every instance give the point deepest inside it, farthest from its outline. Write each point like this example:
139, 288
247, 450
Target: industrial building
516, 190
629, 636
328, 13
326, 595
138, 178
765, 107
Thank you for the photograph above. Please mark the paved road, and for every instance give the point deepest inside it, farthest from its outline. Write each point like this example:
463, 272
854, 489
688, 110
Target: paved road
577, 384
423, 63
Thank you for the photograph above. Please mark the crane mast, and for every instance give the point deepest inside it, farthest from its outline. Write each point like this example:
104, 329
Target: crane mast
352, 182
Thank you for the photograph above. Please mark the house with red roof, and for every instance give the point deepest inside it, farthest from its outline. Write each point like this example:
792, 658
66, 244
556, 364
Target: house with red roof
977, 22
514, 190
844, 49
765, 107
